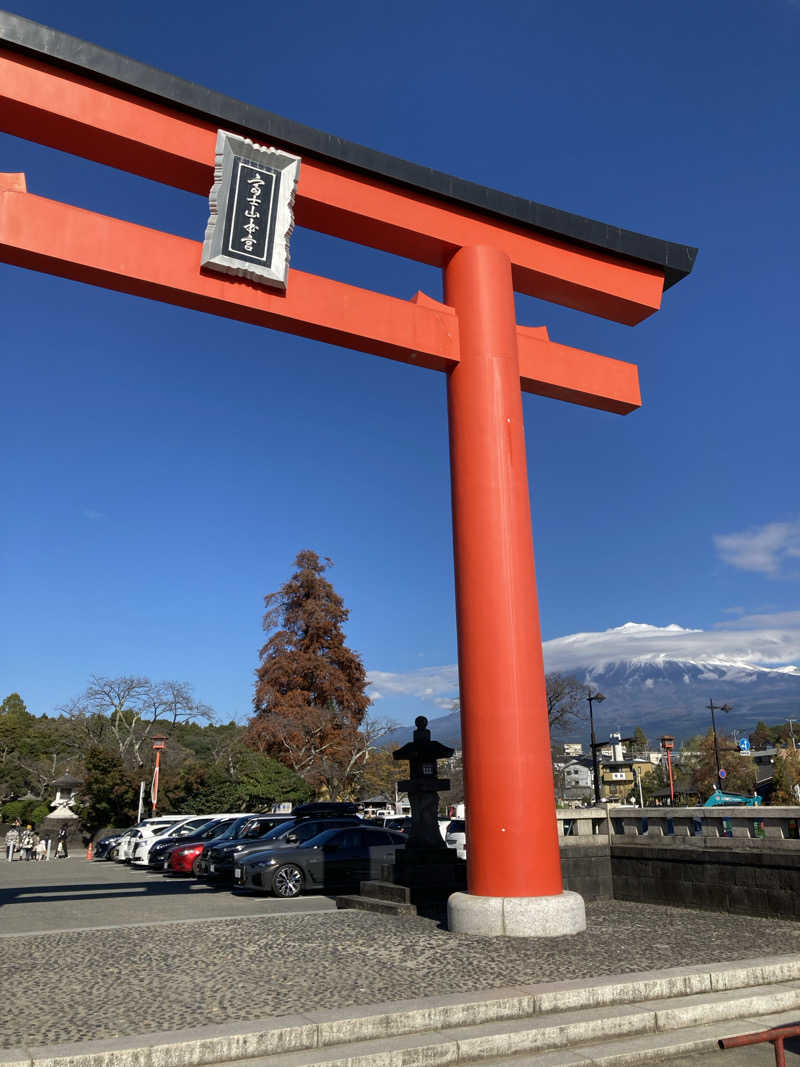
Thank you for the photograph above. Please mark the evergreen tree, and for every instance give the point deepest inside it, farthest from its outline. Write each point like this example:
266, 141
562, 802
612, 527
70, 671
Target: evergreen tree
761, 737
310, 695
110, 793
639, 742
786, 772
740, 776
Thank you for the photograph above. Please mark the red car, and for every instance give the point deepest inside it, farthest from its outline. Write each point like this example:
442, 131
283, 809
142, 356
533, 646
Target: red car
181, 859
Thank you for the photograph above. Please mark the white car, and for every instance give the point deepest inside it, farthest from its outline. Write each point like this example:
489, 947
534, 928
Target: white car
456, 837
140, 856
144, 829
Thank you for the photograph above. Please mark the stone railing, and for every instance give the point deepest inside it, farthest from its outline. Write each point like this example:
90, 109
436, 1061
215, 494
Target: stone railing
674, 824
582, 826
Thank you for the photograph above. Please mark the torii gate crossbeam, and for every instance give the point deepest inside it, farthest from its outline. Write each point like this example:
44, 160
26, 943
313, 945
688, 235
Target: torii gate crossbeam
78, 98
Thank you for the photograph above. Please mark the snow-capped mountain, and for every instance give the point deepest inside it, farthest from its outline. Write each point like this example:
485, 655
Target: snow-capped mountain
672, 696
662, 678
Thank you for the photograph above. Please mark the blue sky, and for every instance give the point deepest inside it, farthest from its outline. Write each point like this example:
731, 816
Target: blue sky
162, 468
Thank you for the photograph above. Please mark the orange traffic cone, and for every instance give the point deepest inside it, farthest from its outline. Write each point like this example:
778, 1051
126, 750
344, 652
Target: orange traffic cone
90, 851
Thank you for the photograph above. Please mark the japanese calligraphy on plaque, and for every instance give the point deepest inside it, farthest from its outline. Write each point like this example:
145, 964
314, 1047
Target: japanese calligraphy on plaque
250, 218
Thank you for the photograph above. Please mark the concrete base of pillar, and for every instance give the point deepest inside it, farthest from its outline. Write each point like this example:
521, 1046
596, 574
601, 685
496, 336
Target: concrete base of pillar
554, 916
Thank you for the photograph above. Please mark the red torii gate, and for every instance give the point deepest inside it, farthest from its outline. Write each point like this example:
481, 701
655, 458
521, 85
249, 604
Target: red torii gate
73, 96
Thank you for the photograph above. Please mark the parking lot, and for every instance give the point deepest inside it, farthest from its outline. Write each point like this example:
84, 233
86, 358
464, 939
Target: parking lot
75, 894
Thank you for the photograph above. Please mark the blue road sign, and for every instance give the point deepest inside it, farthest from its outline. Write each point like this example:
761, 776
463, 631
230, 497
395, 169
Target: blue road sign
744, 744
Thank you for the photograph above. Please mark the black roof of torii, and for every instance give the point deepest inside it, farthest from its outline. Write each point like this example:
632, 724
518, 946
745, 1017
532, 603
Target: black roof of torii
32, 38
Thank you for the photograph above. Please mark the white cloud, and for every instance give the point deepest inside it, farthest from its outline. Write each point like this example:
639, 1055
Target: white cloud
763, 549
761, 645
435, 685
756, 640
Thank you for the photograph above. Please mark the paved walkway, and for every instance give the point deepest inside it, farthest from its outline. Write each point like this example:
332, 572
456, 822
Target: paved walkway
122, 980
71, 894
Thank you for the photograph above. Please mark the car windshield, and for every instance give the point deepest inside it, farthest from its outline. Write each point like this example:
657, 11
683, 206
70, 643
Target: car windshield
213, 829
279, 830
196, 825
172, 829
235, 828
305, 831
256, 828
322, 838
195, 829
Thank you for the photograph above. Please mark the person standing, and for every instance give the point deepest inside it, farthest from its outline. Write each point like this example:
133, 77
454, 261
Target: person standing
11, 842
27, 842
41, 849
61, 848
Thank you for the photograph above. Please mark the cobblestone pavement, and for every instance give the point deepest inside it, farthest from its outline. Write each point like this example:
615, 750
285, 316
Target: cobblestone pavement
93, 984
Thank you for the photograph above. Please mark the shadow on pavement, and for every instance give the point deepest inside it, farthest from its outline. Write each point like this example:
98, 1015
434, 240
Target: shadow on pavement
41, 894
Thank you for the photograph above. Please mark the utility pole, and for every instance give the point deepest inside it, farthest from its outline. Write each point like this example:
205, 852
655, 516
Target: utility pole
599, 698
791, 731
712, 707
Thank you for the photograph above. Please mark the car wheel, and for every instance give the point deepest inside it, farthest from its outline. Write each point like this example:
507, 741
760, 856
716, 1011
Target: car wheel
198, 867
288, 881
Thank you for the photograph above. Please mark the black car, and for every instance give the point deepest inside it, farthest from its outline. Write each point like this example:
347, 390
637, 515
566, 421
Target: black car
217, 857
334, 859
210, 831
288, 835
221, 859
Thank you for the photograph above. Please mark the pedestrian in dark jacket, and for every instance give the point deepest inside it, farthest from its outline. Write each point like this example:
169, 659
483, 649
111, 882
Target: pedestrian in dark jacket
61, 848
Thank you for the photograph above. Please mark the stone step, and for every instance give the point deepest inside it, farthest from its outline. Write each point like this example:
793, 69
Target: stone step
400, 894
665, 1028
383, 907
652, 1048
462, 1027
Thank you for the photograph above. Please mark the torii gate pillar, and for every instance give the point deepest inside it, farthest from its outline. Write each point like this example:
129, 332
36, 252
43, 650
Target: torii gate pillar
514, 861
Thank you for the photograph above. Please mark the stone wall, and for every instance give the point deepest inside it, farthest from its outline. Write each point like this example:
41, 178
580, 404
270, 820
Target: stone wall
742, 859
586, 867
746, 877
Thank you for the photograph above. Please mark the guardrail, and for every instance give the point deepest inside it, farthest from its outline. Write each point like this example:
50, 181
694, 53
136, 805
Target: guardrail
775, 823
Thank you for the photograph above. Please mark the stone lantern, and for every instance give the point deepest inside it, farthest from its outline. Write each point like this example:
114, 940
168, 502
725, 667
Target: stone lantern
426, 861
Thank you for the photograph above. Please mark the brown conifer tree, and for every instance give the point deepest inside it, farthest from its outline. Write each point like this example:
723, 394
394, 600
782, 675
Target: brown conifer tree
309, 699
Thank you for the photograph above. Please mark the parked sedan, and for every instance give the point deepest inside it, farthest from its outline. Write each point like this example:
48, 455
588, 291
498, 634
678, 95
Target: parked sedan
145, 829
104, 847
209, 831
182, 858
219, 857
288, 835
140, 856
333, 859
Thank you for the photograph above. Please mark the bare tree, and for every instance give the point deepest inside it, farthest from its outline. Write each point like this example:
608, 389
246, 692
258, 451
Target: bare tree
342, 769
565, 696
130, 708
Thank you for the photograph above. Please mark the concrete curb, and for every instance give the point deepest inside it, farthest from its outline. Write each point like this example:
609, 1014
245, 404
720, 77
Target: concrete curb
514, 1006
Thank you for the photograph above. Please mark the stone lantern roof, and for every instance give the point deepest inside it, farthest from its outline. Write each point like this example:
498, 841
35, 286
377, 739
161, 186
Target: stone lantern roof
67, 781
